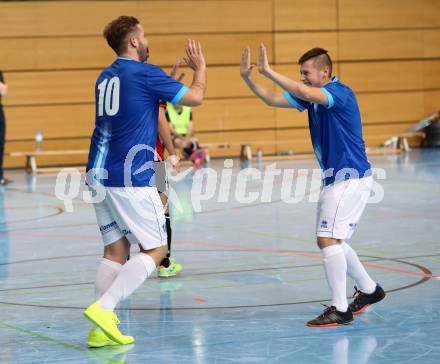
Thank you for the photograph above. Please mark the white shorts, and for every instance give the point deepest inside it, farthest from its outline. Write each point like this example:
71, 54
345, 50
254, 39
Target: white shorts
133, 212
340, 207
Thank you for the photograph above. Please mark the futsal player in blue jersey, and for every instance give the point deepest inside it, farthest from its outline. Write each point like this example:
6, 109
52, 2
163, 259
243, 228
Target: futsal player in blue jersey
336, 134
121, 163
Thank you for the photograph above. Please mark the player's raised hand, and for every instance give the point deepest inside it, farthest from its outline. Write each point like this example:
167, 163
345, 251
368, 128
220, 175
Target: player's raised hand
3, 89
245, 64
194, 55
175, 71
263, 63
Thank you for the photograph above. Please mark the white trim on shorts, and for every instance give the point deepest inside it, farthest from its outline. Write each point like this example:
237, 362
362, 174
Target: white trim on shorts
133, 212
340, 207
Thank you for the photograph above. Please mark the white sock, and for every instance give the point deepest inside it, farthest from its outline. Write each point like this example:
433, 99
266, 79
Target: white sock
356, 270
106, 274
336, 271
131, 276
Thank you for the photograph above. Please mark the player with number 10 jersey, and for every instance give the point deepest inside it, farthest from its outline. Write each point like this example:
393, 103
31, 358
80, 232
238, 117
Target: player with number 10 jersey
127, 95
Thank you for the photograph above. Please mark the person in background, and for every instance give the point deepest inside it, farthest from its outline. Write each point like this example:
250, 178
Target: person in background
168, 266
3, 92
181, 124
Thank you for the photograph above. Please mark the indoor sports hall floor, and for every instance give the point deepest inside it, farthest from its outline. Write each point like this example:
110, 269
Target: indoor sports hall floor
252, 277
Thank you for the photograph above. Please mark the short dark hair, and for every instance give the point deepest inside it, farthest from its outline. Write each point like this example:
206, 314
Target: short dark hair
322, 58
116, 32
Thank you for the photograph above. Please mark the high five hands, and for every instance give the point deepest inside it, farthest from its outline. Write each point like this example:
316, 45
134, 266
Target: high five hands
263, 63
246, 66
175, 71
194, 55
194, 59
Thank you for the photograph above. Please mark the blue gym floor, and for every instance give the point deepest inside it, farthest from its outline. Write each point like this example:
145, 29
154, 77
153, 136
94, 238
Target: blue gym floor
252, 277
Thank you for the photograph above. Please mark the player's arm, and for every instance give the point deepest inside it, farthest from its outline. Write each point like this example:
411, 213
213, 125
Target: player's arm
170, 125
270, 97
3, 86
190, 130
196, 61
173, 131
165, 136
165, 132
311, 94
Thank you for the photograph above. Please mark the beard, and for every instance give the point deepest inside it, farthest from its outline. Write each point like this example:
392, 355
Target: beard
143, 53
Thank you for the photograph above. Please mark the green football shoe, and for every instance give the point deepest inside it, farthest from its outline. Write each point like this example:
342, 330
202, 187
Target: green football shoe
107, 321
171, 270
97, 339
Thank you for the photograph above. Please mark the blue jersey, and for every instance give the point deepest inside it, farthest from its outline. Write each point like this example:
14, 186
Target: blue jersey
336, 133
127, 103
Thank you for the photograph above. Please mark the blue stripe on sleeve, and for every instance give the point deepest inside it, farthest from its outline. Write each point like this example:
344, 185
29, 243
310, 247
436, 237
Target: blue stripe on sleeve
292, 101
330, 100
176, 99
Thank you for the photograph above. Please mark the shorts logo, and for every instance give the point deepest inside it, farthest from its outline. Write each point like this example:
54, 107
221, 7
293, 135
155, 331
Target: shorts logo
324, 224
352, 226
106, 228
126, 232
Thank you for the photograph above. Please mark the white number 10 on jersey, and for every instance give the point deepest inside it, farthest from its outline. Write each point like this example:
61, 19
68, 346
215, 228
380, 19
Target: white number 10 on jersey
108, 96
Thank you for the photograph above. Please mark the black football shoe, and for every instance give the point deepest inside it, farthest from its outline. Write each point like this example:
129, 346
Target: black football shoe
331, 317
362, 300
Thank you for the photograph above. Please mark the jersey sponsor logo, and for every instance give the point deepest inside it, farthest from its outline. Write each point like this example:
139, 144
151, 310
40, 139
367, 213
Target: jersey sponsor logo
106, 228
